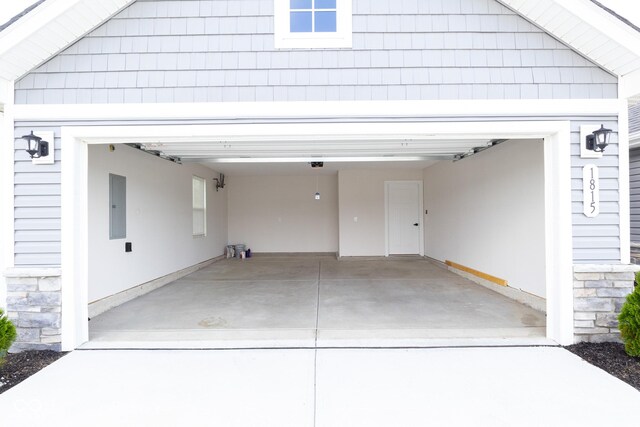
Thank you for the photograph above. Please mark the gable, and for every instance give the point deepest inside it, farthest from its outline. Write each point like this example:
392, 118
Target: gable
193, 51
45, 28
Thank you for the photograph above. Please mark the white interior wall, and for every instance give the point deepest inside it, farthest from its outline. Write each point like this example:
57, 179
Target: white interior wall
280, 213
487, 212
362, 210
159, 220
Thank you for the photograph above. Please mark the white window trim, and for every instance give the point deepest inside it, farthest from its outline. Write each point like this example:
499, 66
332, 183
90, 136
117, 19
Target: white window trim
204, 208
285, 39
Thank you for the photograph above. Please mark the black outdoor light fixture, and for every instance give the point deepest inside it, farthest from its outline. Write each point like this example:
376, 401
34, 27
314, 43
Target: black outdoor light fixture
219, 181
599, 139
36, 146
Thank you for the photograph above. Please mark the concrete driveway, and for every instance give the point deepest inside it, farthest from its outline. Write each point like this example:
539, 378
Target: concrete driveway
523, 386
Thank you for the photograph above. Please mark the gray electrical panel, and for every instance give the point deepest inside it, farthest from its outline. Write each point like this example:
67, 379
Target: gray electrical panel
117, 207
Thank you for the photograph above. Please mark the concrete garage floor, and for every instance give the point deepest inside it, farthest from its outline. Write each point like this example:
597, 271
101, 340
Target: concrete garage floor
318, 301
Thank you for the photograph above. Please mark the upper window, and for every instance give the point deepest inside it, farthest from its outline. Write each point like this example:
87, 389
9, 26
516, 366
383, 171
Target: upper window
309, 16
308, 24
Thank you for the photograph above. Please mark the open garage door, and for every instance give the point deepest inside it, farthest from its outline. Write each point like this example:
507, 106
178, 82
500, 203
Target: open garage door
483, 233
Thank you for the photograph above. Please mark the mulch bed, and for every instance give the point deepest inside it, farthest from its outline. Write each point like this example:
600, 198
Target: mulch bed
20, 366
610, 357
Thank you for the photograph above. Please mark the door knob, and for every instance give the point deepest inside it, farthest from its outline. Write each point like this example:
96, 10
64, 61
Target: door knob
416, 224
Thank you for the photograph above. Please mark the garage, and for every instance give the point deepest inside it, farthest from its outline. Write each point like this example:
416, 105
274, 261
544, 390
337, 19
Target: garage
412, 238
411, 109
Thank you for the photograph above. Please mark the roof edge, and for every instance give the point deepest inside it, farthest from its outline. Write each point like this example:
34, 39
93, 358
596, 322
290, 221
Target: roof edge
20, 15
617, 15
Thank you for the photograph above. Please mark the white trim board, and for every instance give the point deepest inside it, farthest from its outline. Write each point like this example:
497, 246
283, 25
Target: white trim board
312, 132
75, 241
6, 189
558, 234
623, 190
557, 196
347, 110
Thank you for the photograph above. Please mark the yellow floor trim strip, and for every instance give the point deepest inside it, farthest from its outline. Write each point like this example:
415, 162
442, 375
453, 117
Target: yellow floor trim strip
477, 273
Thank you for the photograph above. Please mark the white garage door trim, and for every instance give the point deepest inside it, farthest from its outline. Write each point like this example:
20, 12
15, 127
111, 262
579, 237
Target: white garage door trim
556, 135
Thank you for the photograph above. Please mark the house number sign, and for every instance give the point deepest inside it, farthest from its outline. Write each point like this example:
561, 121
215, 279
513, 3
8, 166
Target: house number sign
591, 191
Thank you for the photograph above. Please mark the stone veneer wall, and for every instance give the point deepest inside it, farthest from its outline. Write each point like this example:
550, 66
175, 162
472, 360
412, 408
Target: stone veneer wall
598, 294
34, 306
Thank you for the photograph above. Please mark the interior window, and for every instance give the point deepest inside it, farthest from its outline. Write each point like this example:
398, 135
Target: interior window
199, 187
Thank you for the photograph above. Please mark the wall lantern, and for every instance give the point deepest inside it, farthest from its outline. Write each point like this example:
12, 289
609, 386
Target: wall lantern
37, 147
599, 139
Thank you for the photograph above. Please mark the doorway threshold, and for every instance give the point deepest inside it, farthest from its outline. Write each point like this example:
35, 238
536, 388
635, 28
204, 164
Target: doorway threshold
323, 338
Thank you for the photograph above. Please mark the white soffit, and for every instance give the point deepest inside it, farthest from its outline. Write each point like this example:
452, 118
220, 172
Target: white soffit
587, 28
48, 29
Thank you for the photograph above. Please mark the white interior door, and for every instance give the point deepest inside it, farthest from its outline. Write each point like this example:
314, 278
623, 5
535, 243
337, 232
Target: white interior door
404, 217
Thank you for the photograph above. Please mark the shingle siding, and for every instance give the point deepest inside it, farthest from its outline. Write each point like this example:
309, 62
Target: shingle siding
37, 214
223, 50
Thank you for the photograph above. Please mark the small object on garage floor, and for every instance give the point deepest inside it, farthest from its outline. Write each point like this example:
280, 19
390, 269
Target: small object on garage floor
240, 248
248, 251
